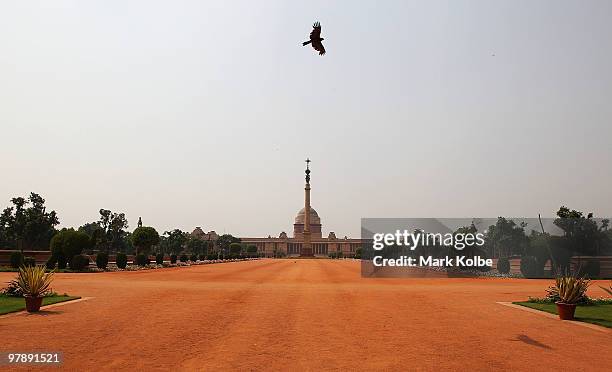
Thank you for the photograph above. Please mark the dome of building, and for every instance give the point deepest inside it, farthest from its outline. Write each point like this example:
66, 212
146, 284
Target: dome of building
314, 217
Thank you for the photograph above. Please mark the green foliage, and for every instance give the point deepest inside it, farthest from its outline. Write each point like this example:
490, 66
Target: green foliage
141, 259
121, 260
29, 261
193, 258
339, 254
531, 268
27, 221
33, 281
197, 246
79, 262
225, 240
173, 241
539, 246
571, 289
184, 258
506, 238
211, 257
144, 238
202, 257
102, 260
596, 313
51, 262
584, 235
61, 259
252, 250
561, 251
332, 255
235, 248
16, 260
358, 253
173, 258
503, 265
113, 235
159, 259
69, 243
590, 269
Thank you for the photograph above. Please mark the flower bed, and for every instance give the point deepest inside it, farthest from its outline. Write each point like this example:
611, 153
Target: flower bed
152, 266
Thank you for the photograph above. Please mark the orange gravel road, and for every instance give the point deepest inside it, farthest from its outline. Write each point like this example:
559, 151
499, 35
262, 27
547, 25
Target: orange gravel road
300, 315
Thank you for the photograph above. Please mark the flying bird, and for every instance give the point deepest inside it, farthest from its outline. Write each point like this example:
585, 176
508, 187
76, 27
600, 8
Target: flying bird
316, 39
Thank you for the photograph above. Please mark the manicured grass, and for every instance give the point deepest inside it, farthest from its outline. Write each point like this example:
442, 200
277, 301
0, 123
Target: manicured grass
12, 304
596, 314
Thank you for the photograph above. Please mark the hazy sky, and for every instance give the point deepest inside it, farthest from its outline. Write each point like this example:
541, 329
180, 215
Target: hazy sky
194, 113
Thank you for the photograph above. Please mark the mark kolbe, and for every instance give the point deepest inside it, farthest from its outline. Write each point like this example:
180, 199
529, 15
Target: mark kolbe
447, 261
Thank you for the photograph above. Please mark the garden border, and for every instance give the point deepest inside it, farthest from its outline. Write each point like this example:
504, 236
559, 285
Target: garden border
556, 317
23, 312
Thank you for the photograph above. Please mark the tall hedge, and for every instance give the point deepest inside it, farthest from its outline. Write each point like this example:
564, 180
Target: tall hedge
144, 238
69, 243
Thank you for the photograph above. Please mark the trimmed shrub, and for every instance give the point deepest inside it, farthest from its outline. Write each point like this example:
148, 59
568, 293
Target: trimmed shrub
144, 237
235, 248
184, 258
590, 269
159, 259
121, 260
50, 264
69, 242
358, 253
340, 254
202, 257
29, 261
211, 257
193, 258
16, 260
530, 267
141, 259
503, 265
79, 262
102, 260
62, 262
173, 258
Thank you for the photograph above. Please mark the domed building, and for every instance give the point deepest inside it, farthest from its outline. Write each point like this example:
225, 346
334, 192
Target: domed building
315, 224
305, 242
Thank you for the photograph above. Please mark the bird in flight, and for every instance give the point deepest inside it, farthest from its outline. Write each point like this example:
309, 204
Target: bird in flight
316, 39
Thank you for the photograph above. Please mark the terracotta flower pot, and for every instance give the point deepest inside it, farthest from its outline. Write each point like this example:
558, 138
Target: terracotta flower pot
33, 304
565, 311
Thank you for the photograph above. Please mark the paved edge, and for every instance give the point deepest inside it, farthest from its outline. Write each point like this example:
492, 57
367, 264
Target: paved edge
23, 312
553, 316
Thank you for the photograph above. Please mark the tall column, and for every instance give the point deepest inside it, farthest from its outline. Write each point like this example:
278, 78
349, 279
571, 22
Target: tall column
306, 246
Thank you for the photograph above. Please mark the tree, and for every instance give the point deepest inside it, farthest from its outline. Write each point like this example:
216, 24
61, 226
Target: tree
27, 224
252, 250
95, 233
506, 238
582, 233
197, 245
108, 233
235, 248
225, 240
68, 243
114, 224
144, 238
173, 241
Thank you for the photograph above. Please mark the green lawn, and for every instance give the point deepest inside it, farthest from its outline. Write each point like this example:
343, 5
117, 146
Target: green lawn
596, 314
12, 304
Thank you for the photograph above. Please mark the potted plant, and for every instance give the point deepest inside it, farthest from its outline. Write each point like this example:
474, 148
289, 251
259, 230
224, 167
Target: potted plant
34, 284
571, 290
